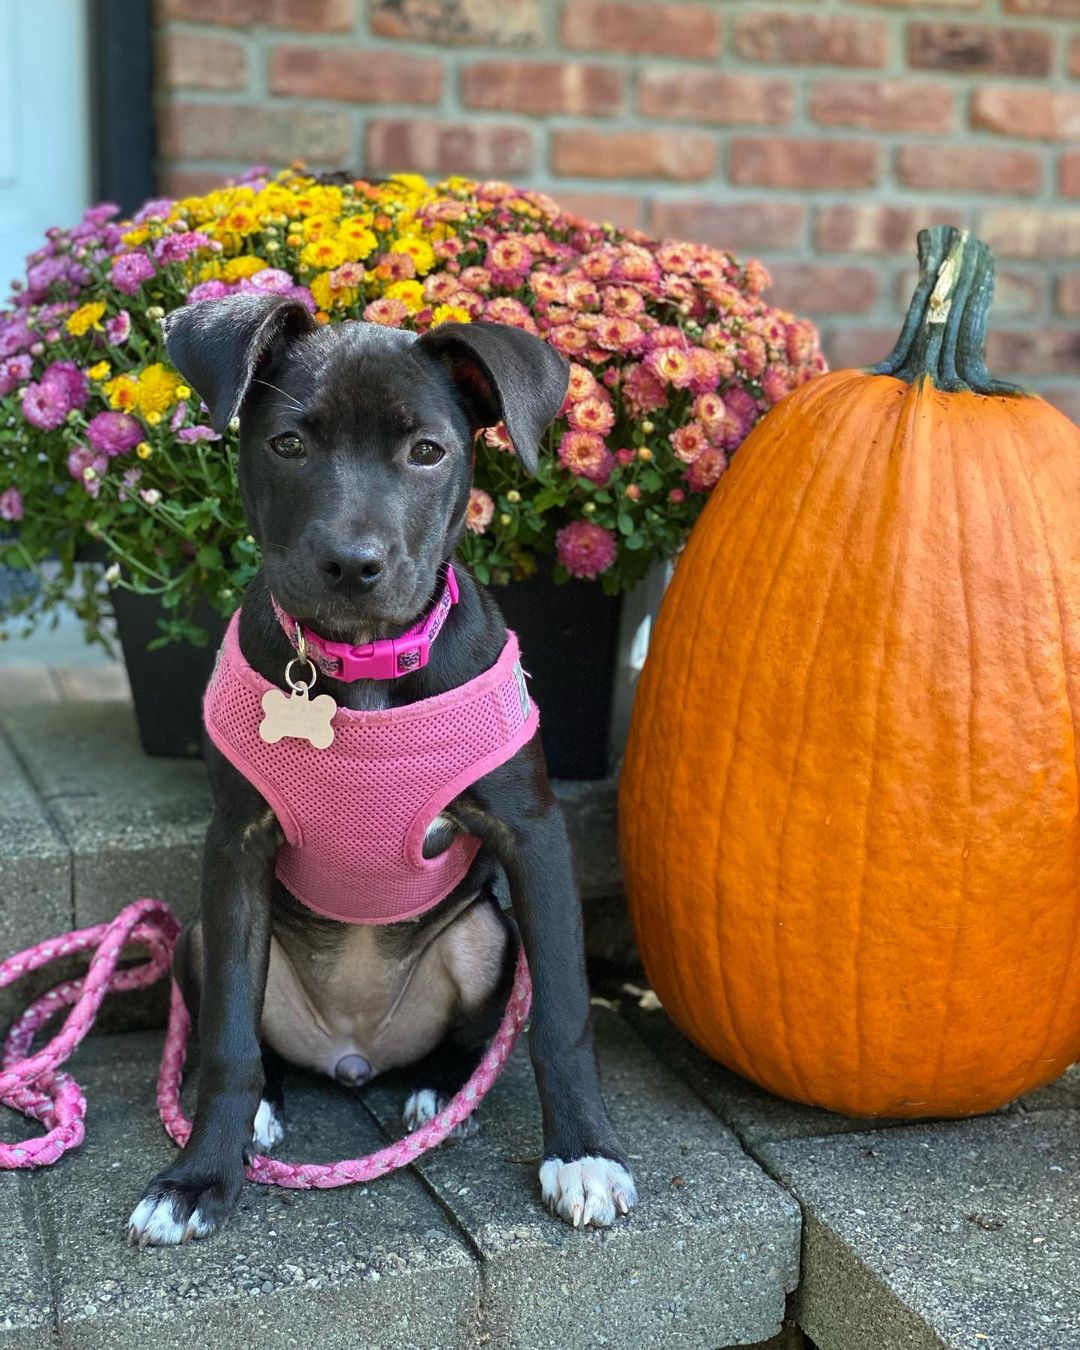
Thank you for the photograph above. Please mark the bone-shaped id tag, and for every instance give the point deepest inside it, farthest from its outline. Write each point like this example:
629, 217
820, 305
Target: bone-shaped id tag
297, 714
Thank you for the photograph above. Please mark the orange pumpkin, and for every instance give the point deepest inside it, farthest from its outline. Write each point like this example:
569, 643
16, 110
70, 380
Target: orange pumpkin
849, 804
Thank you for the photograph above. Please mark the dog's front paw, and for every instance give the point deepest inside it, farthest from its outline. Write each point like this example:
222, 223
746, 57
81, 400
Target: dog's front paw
424, 1104
174, 1211
587, 1190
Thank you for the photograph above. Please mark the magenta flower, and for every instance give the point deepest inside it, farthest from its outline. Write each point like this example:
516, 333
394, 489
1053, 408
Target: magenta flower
68, 379
130, 270
11, 504
705, 471
208, 290
118, 328
44, 406
197, 434
176, 247
113, 432
480, 511
157, 208
86, 467
272, 279
14, 337
585, 549
15, 370
176, 421
102, 212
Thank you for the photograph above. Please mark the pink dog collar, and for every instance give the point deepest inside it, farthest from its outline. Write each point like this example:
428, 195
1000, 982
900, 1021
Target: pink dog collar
386, 659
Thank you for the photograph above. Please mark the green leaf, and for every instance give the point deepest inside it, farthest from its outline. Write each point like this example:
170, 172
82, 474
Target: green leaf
209, 558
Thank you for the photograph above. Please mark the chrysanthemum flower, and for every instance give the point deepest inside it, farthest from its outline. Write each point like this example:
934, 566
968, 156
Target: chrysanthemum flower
704, 473
85, 318
130, 270
585, 549
112, 433
594, 413
449, 314
480, 511
688, 441
11, 504
386, 310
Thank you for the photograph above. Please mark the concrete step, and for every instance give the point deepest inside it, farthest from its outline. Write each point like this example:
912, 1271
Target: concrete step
962, 1235
455, 1253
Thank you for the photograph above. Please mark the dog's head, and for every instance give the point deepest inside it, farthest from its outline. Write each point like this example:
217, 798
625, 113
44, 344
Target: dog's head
356, 442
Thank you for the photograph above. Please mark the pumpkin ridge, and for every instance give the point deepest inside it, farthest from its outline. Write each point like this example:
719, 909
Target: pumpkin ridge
711, 846
962, 926
806, 681
901, 432
1071, 701
659, 691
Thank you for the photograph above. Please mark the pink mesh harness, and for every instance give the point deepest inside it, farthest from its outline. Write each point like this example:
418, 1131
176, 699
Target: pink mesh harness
355, 814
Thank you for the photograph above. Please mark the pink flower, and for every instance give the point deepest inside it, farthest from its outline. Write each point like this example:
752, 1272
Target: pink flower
271, 279
508, 260
476, 279
585, 549
623, 302
582, 295
86, 467
689, 441
568, 339
709, 409
625, 456
440, 286
584, 453
11, 504
177, 247
547, 287
582, 383
176, 421
15, 370
130, 270
197, 434
676, 495
214, 289
385, 310
704, 370
396, 267
619, 335
498, 438
66, 377
642, 391
118, 328
505, 309
774, 384
113, 432
671, 365
592, 414
44, 406
705, 471
480, 511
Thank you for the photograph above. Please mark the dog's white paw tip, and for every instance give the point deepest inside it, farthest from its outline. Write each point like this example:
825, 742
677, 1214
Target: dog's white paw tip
269, 1129
424, 1104
155, 1222
587, 1190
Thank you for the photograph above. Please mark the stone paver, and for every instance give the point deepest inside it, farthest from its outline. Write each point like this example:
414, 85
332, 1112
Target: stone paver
959, 1235
361, 1266
756, 1115
26, 1318
134, 824
706, 1260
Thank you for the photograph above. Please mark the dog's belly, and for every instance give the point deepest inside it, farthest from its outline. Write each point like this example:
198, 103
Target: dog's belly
365, 1007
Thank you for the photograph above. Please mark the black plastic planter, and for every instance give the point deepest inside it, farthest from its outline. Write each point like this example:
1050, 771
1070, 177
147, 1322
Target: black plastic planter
166, 684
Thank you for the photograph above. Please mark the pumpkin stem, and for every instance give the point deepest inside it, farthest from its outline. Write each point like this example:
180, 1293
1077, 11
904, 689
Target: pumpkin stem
944, 334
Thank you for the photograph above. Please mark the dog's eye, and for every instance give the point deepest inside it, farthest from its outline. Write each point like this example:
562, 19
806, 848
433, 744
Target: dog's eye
426, 453
287, 446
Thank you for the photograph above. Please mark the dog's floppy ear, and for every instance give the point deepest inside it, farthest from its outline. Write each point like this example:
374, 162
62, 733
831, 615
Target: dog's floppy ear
503, 374
217, 344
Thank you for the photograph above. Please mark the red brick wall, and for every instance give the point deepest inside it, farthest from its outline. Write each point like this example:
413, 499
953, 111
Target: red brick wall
817, 135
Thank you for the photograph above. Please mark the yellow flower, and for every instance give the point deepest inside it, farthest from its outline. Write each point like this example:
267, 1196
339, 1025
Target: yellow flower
414, 181
156, 390
242, 220
318, 227
143, 450
410, 293
183, 391
139, 235
209, 271
449, 314
357, 240
329, 296
85, 318
99, 371
244, 266
122, 392
419, 250
152, 418
323, 253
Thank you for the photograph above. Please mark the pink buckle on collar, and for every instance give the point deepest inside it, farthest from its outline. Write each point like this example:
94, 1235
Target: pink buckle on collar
386, 659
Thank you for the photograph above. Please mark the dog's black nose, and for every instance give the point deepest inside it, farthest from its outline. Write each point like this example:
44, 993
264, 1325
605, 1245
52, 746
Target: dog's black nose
353, 565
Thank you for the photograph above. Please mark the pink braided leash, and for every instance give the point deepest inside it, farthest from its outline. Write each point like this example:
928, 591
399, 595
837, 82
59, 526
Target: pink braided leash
35, 1085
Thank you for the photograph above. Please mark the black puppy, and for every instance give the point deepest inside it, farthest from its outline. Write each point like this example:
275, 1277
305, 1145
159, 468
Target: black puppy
355, 467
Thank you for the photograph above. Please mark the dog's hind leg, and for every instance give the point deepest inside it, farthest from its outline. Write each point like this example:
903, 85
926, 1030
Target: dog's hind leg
269, 1128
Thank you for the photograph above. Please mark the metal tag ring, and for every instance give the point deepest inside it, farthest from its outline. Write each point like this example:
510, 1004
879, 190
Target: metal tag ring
297, 685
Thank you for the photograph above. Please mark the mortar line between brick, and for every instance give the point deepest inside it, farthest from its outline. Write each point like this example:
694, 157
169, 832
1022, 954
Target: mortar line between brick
47, 811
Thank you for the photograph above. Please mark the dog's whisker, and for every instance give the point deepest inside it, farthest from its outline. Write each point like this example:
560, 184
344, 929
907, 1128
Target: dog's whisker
297, 405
